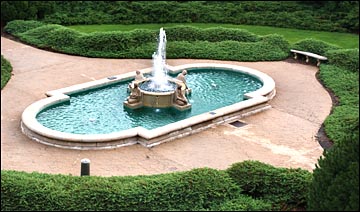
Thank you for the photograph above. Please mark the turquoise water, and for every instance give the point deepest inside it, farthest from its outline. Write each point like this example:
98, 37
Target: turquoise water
101, 111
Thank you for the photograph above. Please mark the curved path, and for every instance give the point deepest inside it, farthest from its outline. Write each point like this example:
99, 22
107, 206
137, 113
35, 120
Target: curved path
283, 136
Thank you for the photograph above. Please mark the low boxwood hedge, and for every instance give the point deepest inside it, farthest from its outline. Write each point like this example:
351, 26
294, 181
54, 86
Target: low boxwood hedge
344, 58
198, 189
285, 188
182, 42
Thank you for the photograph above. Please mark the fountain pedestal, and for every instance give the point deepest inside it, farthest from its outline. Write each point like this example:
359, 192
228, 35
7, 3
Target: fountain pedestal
158, 99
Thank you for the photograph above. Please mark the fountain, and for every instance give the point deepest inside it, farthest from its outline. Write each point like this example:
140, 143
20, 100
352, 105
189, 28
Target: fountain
94, 115
159, 91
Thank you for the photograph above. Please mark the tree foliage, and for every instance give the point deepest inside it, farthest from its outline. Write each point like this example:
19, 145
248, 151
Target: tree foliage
336, 179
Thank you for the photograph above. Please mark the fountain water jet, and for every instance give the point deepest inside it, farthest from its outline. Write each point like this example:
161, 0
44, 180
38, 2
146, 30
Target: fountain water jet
159, 90
159, 72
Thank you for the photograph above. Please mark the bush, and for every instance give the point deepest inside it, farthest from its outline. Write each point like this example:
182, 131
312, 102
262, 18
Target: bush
335, 186
343, 83
243, 203
344, 58
40, 36
314, 46
186, 42
6, 70
217, 34
278, 41
198, 189
19, 26
342, 122
285, 188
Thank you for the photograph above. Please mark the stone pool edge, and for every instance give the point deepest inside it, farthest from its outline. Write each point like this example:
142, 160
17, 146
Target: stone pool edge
257, 101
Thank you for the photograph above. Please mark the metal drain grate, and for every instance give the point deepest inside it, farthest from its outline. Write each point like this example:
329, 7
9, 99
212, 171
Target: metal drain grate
238, 124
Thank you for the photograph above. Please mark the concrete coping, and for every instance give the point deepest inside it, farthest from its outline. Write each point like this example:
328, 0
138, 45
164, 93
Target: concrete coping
61, 95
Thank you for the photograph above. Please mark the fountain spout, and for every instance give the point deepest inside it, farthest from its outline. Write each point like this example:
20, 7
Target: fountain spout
159, 72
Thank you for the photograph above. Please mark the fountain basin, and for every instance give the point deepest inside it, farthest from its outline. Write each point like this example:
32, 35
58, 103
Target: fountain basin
255, 101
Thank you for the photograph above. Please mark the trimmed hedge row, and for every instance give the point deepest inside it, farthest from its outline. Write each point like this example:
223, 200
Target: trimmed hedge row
345, 58
335, 184
198, 189
183, 42
314, 46
328, 16
345, 117
285, 188
6, 70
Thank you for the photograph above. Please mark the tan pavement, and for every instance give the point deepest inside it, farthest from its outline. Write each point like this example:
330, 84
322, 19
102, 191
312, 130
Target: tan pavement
283, 136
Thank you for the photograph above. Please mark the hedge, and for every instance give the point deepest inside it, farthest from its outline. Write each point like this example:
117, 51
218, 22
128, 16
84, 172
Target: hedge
344, 58
6, 70
327, 16
314, 46
244, 203
182, 42
336, 179
198, 189
285, 188
345, 85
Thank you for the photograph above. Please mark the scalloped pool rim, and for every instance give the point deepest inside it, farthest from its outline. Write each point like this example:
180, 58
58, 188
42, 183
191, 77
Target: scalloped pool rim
254, 102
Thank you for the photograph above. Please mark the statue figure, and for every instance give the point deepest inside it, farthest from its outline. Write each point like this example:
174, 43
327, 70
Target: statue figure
180, 98
181, 76
134, 94
139, 76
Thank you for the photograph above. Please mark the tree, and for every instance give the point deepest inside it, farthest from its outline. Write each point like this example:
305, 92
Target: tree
25, 10
335, 184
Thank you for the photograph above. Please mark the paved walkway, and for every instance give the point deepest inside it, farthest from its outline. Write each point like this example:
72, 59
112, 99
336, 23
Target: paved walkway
283, 136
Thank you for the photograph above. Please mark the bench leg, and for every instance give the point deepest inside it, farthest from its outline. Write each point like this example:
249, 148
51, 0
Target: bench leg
318, 62
295, 55
307, 58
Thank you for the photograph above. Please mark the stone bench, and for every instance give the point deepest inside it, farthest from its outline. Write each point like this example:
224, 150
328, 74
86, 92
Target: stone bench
308, 54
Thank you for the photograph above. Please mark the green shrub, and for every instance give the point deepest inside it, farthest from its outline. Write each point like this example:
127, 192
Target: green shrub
343, 83
286, 188
183, 33
278, 41
342, 122
19, 26
39, 36
328, 16
335, 185
243, 203
217, 34
198, 189
344, 58
6, 70
314, 46
186, 42
225, 50
62, 37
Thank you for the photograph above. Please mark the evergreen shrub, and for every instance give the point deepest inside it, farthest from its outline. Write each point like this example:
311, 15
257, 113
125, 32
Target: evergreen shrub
344, 58
198, 189
285, 188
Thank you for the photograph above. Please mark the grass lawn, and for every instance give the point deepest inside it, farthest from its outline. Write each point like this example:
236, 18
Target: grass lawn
344, 40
